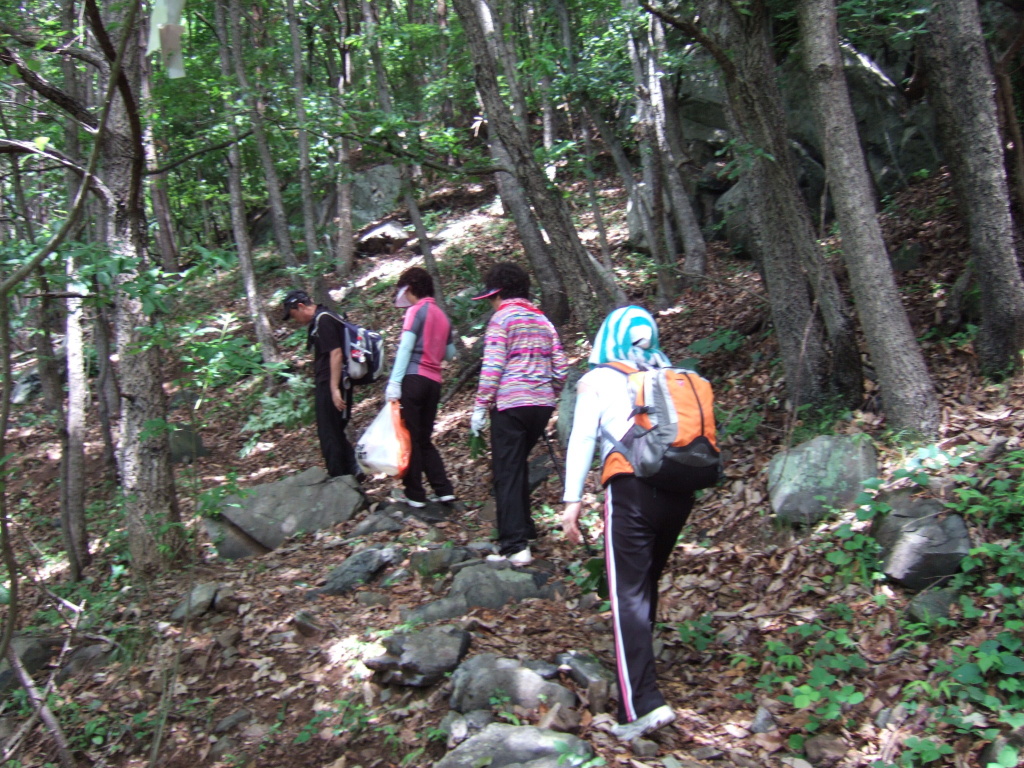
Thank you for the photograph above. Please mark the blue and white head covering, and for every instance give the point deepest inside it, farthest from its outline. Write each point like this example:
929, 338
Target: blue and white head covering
628, 335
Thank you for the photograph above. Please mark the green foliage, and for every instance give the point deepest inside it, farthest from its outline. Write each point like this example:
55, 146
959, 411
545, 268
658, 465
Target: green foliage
741, 157
699, 633
814, 420
591, 576
289, 406
349, 717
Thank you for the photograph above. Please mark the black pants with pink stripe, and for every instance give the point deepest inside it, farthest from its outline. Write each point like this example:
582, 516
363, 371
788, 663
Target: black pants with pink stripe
642, 524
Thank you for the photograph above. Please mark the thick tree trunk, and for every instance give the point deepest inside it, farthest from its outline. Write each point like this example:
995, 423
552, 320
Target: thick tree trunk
302, 137
278, 215
155, 536
961, 89
573, 262
820, 358
907, 389
239, 225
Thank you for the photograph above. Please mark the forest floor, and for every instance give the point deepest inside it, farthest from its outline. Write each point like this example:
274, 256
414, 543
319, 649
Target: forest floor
735, 583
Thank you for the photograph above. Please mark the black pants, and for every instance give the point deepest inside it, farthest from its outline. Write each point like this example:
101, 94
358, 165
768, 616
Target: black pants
514, 432
420, 397
338, 453
642, 524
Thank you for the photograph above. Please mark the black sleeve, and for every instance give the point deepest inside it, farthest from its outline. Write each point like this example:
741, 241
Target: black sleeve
331, 333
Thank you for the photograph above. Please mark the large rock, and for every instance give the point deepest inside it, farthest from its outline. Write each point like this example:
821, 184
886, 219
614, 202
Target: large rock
487, 586
375, 191
422, 658
186, 444
358, 569
34, 653
268, 514
488, 678
827, 473
922, 546
501, 746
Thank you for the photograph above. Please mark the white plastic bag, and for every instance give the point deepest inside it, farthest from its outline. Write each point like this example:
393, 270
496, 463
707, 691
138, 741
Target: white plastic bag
385, 445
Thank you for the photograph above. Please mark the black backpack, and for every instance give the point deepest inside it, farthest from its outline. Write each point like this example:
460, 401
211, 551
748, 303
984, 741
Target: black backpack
363, 349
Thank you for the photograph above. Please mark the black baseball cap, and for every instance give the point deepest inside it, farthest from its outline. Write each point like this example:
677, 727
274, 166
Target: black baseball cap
292, 300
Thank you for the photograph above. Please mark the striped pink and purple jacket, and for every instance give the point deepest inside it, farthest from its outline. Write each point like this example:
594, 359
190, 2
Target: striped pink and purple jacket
523, 361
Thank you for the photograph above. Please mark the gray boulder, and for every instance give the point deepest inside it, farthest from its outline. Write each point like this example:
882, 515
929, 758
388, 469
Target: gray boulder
269, 514
422, 658
589, 673
826, 473
487, 586
27, 386
930, 605
567, 406
374, 193
432, 562
186, 444
34, 653
487, 677
377, 523
358, 569
385, 238
922, 546
503, 746
197, 602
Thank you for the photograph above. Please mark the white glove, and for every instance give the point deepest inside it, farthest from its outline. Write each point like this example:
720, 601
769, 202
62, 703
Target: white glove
478, 422
393, 391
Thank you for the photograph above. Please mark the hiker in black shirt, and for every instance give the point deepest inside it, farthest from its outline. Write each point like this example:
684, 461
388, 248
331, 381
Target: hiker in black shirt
333, 397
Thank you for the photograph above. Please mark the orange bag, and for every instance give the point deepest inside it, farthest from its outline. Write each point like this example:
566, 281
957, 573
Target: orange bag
385, 445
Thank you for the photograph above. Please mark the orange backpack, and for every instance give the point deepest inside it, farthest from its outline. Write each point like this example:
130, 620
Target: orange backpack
671, 444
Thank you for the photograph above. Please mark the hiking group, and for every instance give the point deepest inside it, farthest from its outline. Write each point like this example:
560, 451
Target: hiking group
651, 424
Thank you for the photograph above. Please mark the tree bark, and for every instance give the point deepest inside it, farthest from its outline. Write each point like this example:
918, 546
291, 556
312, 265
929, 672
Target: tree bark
158, 195
278, 215
302, 137
907, 389
569, 254
239, 224
961, 89
819, 354
346, 237
76, 539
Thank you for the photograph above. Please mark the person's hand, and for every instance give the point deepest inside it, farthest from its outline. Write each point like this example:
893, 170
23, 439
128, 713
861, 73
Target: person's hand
571, 522
478, 422
393, 391
339, 401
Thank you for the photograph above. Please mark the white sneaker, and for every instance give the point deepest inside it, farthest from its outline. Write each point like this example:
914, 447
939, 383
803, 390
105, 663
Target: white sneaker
652, 721
522, 557
446, 499
416, 504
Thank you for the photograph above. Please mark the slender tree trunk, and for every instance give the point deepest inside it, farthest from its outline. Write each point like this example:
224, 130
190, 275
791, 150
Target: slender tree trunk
302, 136
1008, 118
907, 389
683, 213
76, 539
108, 398
158, 196
343, 184
651, 160
278, 215
961, 88
239, 225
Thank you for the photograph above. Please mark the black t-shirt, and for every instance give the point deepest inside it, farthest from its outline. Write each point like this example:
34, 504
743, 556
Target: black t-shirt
324, 334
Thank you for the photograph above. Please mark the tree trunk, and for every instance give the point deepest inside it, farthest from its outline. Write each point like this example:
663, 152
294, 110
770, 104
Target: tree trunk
108, 396
907, 389
961, 88
239, 224
820, 358
554, 300
573, 262
278, 215
346, 237
158, 196
683, 213
302, 136
155, 536
72, 517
